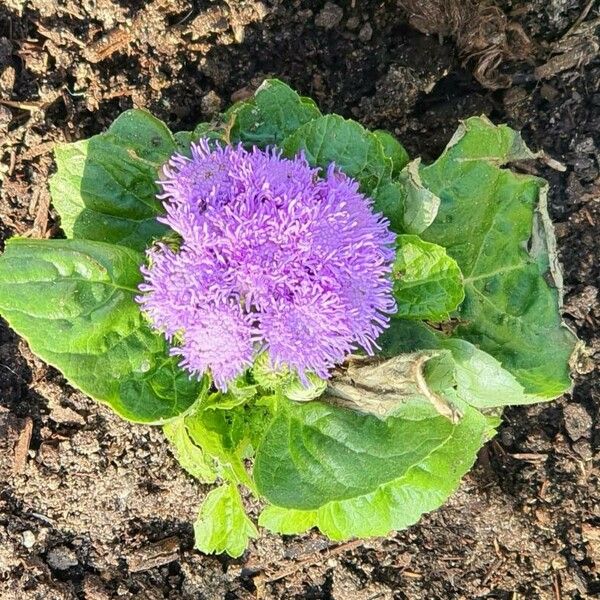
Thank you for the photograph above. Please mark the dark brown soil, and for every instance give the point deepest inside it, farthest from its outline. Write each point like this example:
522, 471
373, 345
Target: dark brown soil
91, 507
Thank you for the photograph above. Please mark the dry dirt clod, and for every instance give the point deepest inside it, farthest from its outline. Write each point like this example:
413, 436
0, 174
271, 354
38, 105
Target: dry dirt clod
578, 422
154, 555
330, 16
365, 33
591, 535
211, 103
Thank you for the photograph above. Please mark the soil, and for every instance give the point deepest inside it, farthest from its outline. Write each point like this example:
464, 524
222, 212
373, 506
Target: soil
94, 508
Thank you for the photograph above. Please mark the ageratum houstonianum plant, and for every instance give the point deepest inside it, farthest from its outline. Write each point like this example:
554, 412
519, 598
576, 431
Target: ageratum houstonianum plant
273, 258
314, 319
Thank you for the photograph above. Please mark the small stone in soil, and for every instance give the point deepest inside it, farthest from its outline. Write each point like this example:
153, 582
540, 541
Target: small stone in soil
61, 558
365, 33
211, 103
330, 16
28, 538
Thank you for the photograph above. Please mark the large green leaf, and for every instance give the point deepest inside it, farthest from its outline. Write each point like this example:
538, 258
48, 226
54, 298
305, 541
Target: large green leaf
222, 524
485, 222
427, 282
374, 159
73, 301
313, 453
274, 112
354, 150
420, 204
477, 377
396, 504
394, 150
105, 187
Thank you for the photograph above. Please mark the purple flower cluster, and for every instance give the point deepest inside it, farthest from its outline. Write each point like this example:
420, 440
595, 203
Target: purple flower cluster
275, 256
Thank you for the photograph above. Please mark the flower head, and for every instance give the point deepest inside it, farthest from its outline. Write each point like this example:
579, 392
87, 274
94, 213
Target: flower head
275, 256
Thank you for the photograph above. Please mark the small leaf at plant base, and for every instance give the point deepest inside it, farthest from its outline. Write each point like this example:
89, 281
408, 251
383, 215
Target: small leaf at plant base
427, 282
485, 221
189, 456
300, 392
398, 503
222, 524
354, 150
73, 301
225, 436
105, 187
274, 112
313, 453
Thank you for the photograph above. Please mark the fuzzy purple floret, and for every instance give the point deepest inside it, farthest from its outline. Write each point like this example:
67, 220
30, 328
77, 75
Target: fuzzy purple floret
275, 256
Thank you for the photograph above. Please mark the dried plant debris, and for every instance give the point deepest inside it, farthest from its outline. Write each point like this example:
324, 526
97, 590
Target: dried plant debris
574, 50
484, 36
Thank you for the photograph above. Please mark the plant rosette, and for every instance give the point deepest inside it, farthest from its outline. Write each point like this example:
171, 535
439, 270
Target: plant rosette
314, 319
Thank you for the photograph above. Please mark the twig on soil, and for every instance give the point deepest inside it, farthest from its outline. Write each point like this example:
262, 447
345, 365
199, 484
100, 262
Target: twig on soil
30, 106
412, 574
556, 586
497, 548
543, 488
529, 457
39, 150
154, 555
589, 217
572, 51
22, 446
580, 19
113, 41
261, 579
40, 203
493, 570
12, 162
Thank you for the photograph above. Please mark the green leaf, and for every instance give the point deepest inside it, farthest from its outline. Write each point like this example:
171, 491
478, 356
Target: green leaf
189, 456
287, 521
184, 139
222, 524
407, 336
225, 435
355, 151
73, 301
105, 187
372, 158
478, 378
394, 150
399, 503
420, 205
390, 199
485, 222
427, 282
275, 111
313, 453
